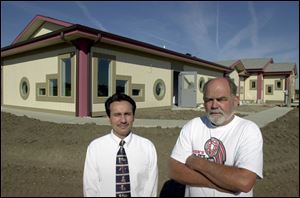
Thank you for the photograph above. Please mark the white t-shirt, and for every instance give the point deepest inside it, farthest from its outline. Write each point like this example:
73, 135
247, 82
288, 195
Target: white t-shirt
239, 144
99, 177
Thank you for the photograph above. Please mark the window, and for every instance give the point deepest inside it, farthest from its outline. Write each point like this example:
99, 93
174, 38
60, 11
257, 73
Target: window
121, 86
59, 87
138, 92
201, 84
103, 76
53, 87
252, 84
159, 89
66, 77
269, 89
278, 84
24, 88
42, 92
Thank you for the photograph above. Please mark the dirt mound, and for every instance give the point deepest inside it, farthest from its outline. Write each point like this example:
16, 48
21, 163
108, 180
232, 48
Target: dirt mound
46, 159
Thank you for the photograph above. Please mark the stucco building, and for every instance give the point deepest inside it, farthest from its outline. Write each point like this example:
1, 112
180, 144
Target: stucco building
57, 66
260, 80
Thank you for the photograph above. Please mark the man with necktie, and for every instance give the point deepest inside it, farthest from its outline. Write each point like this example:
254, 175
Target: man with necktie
121, 163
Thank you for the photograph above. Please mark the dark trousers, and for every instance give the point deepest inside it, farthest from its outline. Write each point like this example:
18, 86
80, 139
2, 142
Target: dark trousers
172, 188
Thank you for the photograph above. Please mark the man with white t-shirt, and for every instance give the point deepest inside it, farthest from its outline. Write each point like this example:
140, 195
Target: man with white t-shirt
219, 154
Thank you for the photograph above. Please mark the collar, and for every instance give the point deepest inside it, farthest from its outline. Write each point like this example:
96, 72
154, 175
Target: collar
117, 139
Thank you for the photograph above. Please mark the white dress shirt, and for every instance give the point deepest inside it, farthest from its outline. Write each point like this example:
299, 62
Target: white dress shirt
99, 176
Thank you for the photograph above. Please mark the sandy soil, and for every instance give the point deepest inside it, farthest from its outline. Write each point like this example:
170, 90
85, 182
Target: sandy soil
46, 159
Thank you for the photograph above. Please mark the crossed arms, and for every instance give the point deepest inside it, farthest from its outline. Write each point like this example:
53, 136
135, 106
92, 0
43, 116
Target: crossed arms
203, 173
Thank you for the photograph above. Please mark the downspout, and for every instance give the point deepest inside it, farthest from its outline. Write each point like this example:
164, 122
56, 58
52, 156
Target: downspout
99, 37
62, 37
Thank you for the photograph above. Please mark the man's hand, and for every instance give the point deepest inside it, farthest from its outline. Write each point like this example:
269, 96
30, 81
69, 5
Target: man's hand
190, 161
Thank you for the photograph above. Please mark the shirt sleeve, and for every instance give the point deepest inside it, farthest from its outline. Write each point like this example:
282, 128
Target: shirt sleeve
91, 181
183, 147
250, 152
151, 185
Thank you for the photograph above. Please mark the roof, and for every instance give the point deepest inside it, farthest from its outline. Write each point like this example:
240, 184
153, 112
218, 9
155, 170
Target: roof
227, 63
281, 68
68, 32
256, 63
235, 64
265, 65
250, 63
35, 24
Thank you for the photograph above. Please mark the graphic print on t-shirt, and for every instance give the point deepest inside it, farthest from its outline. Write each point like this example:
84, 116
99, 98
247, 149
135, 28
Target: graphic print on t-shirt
215, 150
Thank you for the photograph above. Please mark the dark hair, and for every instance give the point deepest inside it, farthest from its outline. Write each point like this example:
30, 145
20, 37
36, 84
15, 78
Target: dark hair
119, 97
232, 86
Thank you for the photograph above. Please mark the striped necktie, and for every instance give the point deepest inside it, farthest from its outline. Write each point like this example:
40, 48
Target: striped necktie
122, 173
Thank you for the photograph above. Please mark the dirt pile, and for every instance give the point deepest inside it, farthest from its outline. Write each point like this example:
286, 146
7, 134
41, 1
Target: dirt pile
46, 159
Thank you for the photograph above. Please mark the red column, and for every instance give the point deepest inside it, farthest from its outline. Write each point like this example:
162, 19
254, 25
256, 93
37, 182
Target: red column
259, 87
83, 47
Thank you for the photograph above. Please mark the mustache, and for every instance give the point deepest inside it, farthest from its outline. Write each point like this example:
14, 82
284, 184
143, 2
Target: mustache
216, 111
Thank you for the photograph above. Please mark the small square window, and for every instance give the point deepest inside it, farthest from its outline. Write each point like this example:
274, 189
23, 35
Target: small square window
269, 89
136, 92
252, 84
278, 84
42, 91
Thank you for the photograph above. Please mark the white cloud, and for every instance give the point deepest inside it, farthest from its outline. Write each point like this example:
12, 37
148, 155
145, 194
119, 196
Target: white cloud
217, 26
254, 28
197, 23
87, 14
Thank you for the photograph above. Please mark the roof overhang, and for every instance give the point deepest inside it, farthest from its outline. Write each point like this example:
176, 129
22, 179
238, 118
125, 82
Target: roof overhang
74, 32
255, 71
282, 73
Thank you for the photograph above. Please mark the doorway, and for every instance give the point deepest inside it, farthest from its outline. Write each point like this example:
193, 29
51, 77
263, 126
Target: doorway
187, 93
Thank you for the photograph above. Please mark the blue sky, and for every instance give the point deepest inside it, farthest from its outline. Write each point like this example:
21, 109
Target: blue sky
209, 30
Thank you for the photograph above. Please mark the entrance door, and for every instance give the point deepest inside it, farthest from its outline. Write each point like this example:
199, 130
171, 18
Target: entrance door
187, 94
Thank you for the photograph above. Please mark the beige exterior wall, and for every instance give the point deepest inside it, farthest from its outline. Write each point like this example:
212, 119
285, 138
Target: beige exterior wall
142, 70
34, 67
277, 94
250, 95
